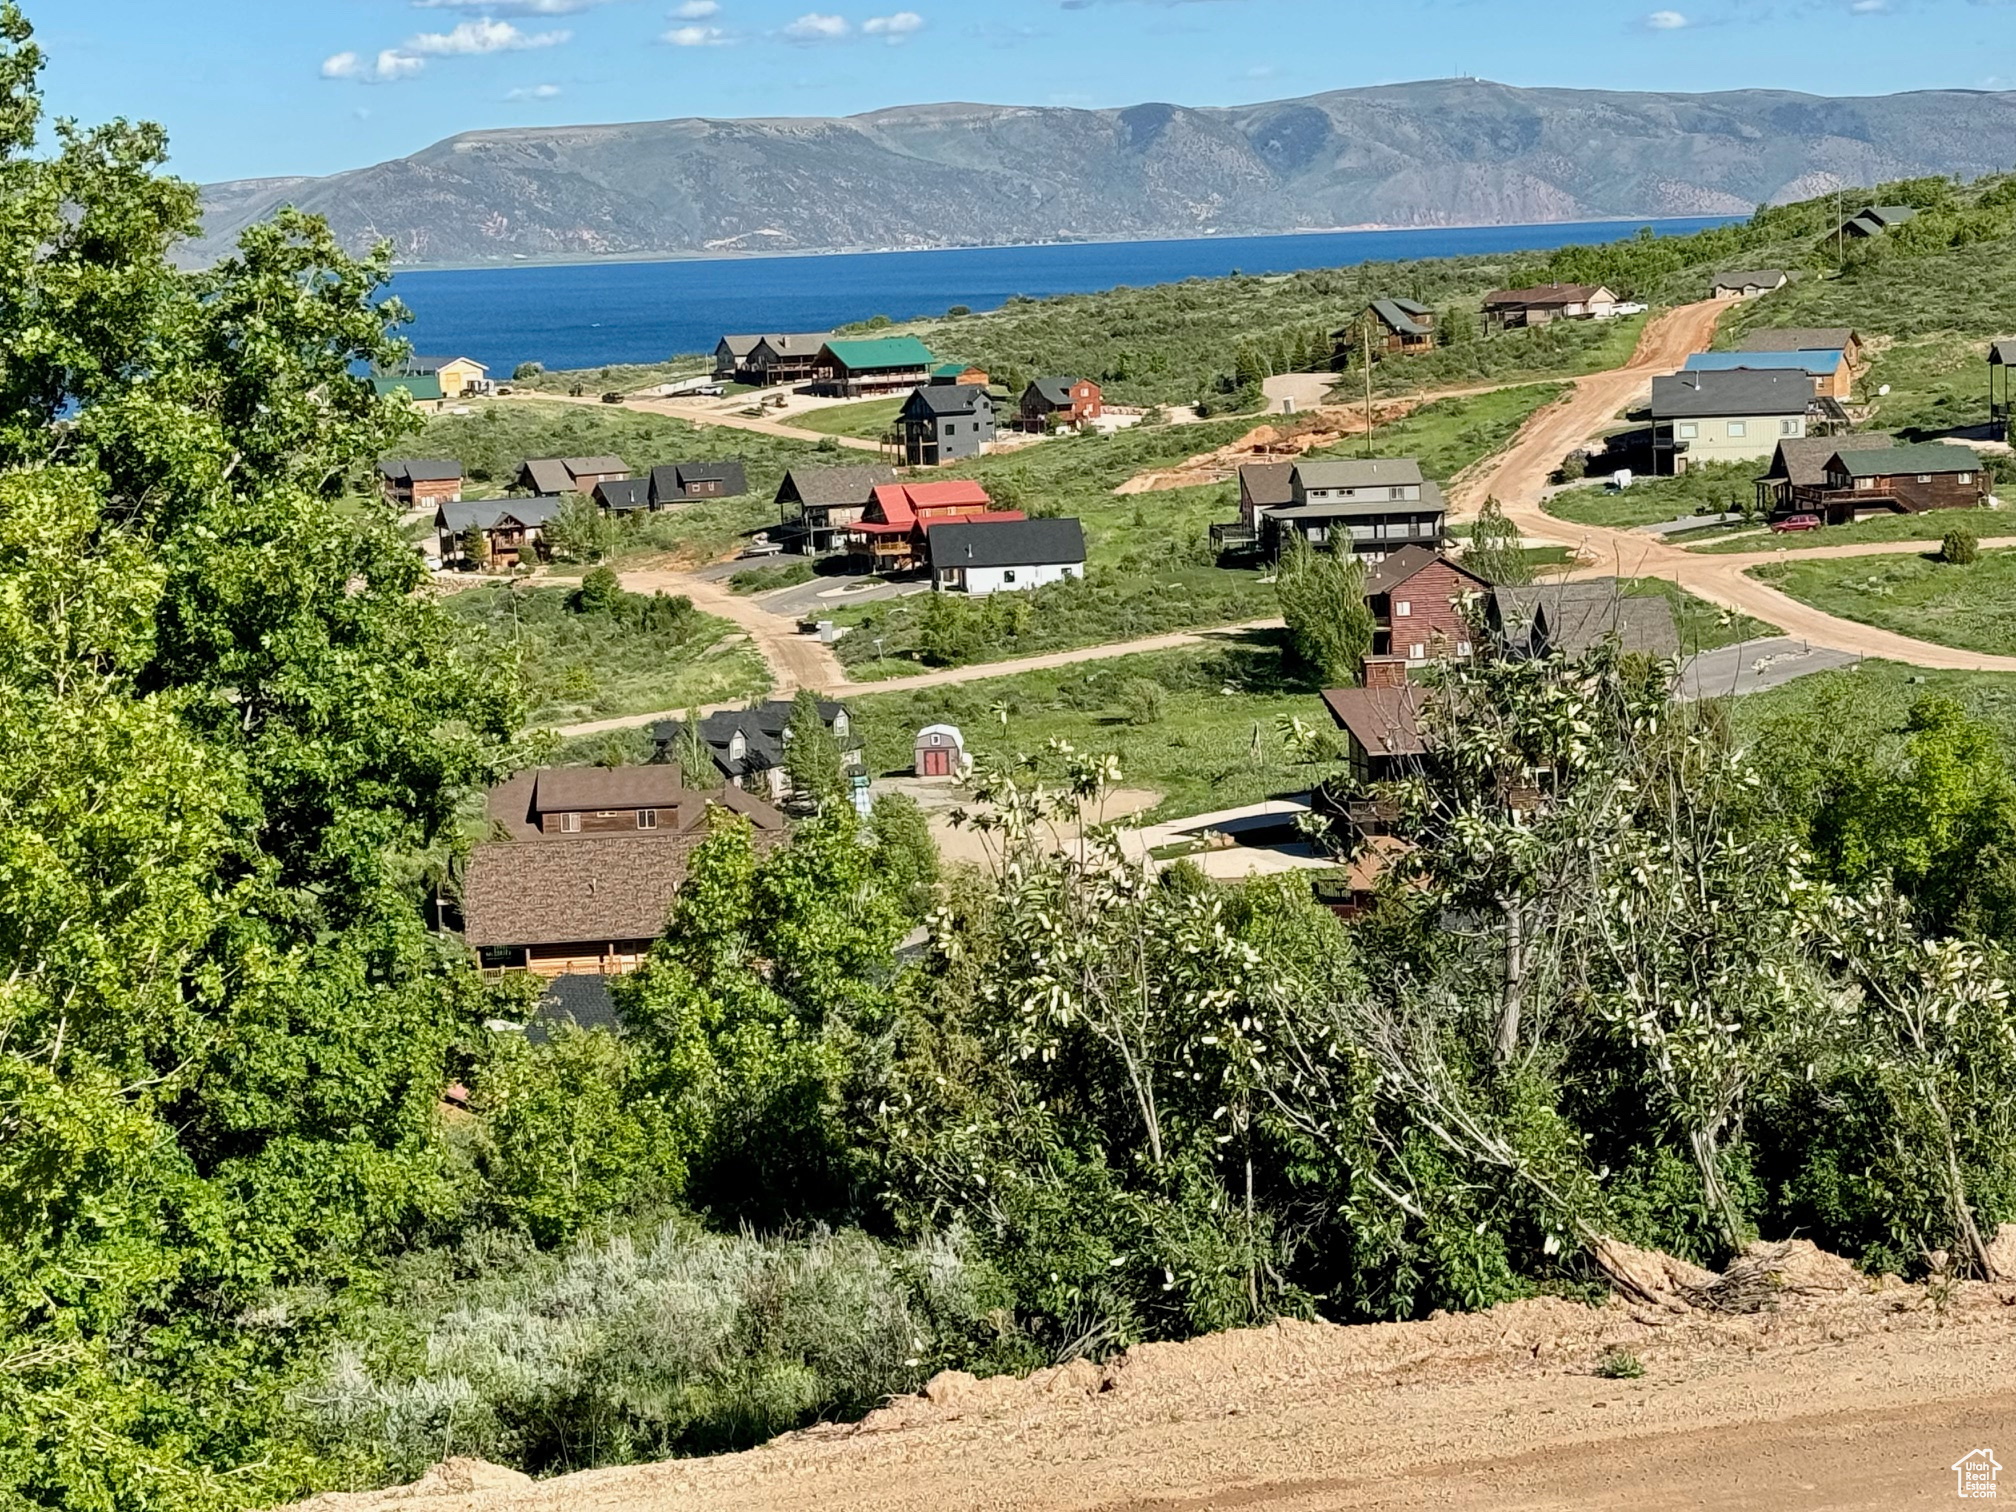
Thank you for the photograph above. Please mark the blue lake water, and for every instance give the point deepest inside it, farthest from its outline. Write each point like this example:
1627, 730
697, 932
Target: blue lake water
588, 314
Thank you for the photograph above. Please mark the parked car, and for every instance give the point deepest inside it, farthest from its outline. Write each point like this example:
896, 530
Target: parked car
1797, 522
612, 398
1631, 308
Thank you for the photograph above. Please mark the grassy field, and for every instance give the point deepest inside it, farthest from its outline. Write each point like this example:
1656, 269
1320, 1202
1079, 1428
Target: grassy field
1987, 696
1929, 527
1968, 607
1451, 434
1212, 742
1712, 489
575, 666
617, 378
1703, 626
869, 419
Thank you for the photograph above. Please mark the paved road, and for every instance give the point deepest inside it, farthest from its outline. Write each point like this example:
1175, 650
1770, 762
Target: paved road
1518, 478
1753, 666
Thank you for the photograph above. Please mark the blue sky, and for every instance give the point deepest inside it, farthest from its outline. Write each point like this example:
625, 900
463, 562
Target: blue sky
250, 88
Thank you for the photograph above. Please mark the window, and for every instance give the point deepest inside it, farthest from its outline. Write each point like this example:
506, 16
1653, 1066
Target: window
570, 824
1788, 427
1008, 575
1462, 648
647, 818
1398, 491
1924, 477
1417, 652
1966, 477
1737, 429
1403, 609
1687, 430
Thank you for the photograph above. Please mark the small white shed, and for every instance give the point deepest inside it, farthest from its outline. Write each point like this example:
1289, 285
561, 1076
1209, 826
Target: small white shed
941, 751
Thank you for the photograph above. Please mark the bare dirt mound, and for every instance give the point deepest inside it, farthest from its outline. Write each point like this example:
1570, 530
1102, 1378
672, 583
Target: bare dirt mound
1788, 1381
1281, 441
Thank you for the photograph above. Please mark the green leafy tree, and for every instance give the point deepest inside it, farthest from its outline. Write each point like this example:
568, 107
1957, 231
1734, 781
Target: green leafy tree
580, 532
601, 592
812, 752
1494, 552
1330, 625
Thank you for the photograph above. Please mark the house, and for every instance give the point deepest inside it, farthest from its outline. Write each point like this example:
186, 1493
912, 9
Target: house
748, 745
1893, 480
816, 505
1510, 309
1371, 506
1748, 284
511, 529
1875, 220
942, 423
677, 481
768, 359
418, 482
892, 530
959, 372
1802, 463
1842, 339
623, 495
419, 390
1382, 731
1735, 416
980, 557
1831, 375
941, 752
587, 863
1400, 327
459, 377
559, 475
1530, 620
870, 365
1056, 402
1352, 895
1423, 605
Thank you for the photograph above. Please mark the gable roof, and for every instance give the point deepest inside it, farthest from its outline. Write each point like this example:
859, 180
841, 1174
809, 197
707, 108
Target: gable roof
1758, 278
829, 486
421, 469
1406, 564
1384, 721
579, 466
1740, 391
940, 399
879, 352
1577, 616
1806, 360
762, 730
737, 346
795, 343
2002, 353
670, 480
1885, 462
488, 514
1399, 315
901, 502
1052, 391
515, 805
421, 388
1007, 543
623, 493
1800, 339
1358, 472
1268, 484
547, 475
1891, 215
418, 364
1546, 296
1802, 460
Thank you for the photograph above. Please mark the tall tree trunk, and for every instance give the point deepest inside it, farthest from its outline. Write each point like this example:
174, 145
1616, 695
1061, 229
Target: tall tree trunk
1512, 998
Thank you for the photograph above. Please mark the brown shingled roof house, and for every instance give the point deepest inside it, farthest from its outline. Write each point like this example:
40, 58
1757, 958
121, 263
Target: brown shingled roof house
586, 863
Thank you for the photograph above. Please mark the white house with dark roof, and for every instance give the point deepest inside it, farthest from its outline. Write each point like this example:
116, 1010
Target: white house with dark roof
979, 558
1735, 416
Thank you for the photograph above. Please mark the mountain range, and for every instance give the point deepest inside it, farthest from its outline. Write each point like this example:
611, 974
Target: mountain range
1443, 152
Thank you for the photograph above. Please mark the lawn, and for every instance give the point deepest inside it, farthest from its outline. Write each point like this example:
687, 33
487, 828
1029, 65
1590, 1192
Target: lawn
1208, 737
1973, 607
1452, 434
1930, 527
1713, 489
1986, 696
869, 420
645, 654
617, 378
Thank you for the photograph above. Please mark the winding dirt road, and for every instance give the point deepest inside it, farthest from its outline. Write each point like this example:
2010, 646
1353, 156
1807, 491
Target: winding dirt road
1518, 476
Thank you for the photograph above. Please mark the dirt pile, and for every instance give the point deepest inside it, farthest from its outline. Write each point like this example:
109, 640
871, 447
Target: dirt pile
1282, 442
1730, 1373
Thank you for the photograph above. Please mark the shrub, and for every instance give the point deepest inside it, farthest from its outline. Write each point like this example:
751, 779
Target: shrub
1959, 547
1143, 701
764, 579
1575, 467
601, 592
526, 370
1620, 1365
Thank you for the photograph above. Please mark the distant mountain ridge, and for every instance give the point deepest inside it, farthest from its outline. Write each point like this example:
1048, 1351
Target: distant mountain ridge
1444, 152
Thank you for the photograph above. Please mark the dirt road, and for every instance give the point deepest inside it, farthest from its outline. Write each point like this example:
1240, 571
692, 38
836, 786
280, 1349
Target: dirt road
1843, 1395
1517, 477
696, 414
796, 661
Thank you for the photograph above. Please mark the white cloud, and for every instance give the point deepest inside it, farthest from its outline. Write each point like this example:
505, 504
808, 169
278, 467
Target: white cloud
697, 10
393, 63
696, 36
486, 35
535, 92
513, 7
1665, 20
1868, 7
895, 28
815, 27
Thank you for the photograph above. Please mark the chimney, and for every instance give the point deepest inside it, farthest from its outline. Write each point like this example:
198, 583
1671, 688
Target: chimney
1384, 672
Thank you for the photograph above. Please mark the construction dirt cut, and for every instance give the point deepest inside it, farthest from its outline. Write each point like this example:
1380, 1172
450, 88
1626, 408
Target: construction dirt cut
1789, 1381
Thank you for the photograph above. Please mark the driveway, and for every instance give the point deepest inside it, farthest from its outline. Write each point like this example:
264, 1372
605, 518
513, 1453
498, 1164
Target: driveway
1754, 666
1518, 478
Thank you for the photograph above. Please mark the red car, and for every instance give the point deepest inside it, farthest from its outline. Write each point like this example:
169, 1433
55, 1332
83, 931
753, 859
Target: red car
1797, 522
